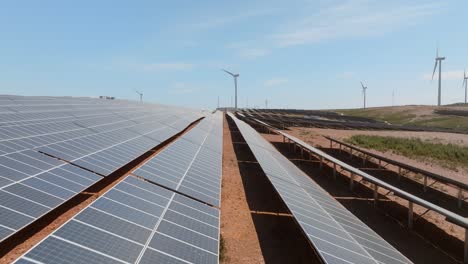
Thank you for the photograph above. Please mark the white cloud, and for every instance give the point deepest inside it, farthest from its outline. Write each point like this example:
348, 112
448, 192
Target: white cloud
253, 53
446, 75
170, 66
275, 82
353, 18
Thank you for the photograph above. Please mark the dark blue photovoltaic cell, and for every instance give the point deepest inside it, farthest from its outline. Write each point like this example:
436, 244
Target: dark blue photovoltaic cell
116, 229
192, 164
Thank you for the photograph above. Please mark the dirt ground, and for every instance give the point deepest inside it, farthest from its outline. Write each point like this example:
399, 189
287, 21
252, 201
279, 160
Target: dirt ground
238, 234
314, 137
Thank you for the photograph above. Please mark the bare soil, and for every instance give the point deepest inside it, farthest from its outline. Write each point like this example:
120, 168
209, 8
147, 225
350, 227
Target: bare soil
238, 234
314, 137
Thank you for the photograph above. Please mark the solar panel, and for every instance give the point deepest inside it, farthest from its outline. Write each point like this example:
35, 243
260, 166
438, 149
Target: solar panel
338, 235
38, 192
192, 164
41, 136
134, 222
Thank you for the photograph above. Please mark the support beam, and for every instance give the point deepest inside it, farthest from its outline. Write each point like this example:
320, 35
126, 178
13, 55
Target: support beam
376, 194
410, 217
460, 197
399, 174
425, 183
334, 171
351, 182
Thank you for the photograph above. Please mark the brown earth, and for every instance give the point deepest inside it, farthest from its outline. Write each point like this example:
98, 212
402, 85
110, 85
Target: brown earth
314, 137
238, 234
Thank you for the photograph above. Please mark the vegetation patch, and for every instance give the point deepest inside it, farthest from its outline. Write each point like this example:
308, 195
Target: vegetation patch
448, 155
222, 249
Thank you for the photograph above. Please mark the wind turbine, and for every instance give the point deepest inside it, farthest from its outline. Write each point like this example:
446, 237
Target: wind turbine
465, 82
439, 61
235, 85
141, 95
364, 88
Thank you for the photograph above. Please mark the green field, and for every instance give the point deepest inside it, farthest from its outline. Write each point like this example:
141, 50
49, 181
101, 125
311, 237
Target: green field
448, 155
411, 115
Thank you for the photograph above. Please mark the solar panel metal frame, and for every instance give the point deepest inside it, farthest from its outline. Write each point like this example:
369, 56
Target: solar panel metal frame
302, 183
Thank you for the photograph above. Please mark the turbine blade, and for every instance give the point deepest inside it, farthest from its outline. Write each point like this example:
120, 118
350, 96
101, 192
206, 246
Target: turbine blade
228, 72
362, 85
435, 66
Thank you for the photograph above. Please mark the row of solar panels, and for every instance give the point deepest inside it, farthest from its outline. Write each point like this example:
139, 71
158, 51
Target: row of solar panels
45, 162
134, 222
138, 221
337, 235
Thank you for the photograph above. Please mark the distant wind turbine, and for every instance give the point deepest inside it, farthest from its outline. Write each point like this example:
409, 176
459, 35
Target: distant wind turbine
364, 88
235, 85
465, 82
439, 61
141, 95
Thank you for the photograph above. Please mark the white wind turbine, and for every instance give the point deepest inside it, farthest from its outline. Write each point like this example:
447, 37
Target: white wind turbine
235, 85
141, 95
465, 82
364, 88
438, 60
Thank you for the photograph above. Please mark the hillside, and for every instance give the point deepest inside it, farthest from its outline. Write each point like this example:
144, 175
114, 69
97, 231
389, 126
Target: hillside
417, 115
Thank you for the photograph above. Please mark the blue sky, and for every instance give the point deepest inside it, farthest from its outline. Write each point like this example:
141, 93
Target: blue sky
296, 54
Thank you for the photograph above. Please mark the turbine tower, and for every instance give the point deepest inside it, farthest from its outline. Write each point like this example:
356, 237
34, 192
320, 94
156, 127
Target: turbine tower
141, 95
465, 82
364, 88
438, 60
235, 86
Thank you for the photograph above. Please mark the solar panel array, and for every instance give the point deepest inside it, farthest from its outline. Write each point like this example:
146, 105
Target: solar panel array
141, 221
337, 235
134, 222
42, 139
192, 164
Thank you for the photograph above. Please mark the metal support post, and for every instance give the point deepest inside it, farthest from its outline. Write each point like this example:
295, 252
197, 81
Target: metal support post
334, 171
410, 215
425, 183
376, 194
460, 197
